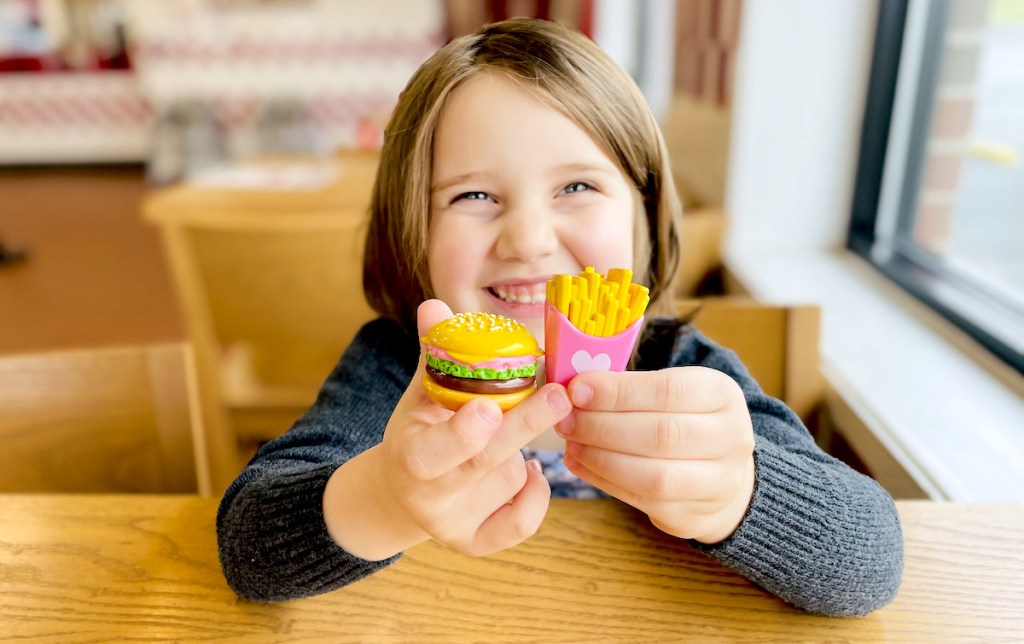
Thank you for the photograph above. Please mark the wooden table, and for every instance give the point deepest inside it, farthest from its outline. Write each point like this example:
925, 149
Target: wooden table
94, 568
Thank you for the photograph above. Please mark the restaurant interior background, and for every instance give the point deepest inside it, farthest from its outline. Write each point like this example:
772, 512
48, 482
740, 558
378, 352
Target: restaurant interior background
113, 113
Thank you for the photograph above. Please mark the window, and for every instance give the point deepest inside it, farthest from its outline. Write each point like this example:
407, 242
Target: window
939, 198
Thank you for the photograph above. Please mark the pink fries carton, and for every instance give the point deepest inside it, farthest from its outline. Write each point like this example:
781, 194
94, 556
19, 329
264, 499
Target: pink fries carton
569, 351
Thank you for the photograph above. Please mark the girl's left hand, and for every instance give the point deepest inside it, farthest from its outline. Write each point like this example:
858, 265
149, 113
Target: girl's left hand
677, 444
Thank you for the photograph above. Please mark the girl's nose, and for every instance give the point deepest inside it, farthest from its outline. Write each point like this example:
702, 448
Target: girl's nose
526, 235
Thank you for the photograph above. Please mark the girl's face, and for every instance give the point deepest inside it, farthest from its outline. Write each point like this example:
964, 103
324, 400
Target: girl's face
519, 193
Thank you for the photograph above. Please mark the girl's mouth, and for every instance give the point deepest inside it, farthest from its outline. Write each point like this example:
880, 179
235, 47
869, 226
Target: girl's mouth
522, 294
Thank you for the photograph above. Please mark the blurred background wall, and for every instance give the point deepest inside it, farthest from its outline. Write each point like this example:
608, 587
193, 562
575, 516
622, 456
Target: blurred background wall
104, 100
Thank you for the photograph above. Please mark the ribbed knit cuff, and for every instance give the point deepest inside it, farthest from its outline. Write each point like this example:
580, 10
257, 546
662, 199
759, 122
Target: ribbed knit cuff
296, 556
817, 534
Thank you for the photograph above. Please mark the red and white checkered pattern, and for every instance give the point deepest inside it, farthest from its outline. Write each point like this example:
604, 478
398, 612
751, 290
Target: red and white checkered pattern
72, 117
345, 62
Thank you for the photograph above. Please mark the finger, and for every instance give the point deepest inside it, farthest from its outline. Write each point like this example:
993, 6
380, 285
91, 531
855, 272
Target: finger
653, 434
444, 446
680, 389
496, 487
415, 397
655, 479
430, 313
524, 422
580, 471
478, 498
688, 520
517, 521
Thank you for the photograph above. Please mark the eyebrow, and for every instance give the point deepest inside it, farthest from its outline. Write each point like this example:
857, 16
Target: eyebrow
606, 169
454, 181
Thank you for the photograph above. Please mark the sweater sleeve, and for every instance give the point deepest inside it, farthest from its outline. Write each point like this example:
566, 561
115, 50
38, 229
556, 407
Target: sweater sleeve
817, 533
272, 539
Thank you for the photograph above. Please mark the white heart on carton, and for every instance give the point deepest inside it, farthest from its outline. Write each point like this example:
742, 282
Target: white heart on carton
583, 361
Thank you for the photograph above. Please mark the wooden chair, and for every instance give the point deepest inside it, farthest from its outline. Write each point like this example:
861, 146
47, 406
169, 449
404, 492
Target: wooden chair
778, 344
99, 420
270, 285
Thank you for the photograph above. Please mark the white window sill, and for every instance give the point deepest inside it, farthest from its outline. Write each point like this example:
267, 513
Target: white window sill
951, 416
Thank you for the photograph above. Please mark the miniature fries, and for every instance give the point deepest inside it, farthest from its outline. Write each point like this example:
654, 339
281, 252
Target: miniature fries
598, 305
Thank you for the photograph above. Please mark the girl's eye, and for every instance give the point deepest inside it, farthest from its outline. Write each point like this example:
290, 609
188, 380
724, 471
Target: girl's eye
577, 186
475, 196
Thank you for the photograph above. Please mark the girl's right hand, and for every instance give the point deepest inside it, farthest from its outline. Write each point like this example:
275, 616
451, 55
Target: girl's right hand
458, 478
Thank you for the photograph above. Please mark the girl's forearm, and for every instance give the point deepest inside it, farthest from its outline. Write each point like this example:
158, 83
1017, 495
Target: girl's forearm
360, 516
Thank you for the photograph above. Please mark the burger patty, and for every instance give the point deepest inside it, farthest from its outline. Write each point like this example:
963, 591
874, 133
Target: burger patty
478, 386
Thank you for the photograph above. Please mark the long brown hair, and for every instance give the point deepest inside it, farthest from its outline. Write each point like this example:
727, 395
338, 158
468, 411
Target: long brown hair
569, 72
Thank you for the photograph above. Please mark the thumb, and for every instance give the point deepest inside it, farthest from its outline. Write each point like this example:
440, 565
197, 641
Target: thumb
430, 313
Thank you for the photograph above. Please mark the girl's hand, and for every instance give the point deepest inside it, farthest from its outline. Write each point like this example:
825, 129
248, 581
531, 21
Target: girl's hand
458, 478
676, 444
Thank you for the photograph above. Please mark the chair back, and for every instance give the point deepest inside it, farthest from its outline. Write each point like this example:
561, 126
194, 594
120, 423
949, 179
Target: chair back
270, 287
283, 297
778, 344
99, 420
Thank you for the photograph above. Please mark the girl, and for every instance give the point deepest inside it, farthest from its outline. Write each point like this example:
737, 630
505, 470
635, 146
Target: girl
516, 153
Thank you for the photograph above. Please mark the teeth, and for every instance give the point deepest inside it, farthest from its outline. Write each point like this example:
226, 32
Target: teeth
520, 295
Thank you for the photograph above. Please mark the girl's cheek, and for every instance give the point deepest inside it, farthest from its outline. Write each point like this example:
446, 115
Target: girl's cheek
607, 232
459, 264
454, 257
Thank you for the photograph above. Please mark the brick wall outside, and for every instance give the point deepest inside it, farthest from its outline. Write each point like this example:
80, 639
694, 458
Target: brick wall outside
707, 35
949, 139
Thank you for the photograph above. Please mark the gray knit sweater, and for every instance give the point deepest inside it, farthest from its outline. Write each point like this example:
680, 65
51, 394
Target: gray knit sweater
817, 533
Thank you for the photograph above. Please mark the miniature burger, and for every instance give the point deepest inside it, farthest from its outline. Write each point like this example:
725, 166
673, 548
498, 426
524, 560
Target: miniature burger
470, 355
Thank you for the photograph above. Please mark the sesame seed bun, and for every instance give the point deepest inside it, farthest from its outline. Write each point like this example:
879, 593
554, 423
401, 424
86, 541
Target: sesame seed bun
468, 340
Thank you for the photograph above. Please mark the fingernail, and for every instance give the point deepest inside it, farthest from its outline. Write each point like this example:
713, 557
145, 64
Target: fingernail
564, 427
489, 412
536, 466
559, 401
582, 394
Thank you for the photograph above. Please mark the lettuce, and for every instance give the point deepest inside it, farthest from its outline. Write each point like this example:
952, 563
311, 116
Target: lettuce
463, 371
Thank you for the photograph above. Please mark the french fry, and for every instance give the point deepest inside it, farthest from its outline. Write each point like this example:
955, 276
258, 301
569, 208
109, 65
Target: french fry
639, 308
621, 277
597, 304
586, 310
611, 319
574, 313
564, 284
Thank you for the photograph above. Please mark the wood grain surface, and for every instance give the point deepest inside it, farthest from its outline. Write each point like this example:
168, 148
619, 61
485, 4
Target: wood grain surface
98, 420
93, 568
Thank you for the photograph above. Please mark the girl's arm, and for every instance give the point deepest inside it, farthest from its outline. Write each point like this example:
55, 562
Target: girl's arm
816, 533
272, 539
377, 466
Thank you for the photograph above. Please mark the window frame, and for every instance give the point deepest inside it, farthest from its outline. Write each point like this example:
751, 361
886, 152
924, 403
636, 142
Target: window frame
889, 174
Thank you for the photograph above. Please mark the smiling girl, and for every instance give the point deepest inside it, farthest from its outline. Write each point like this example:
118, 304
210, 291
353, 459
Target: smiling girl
514, 154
